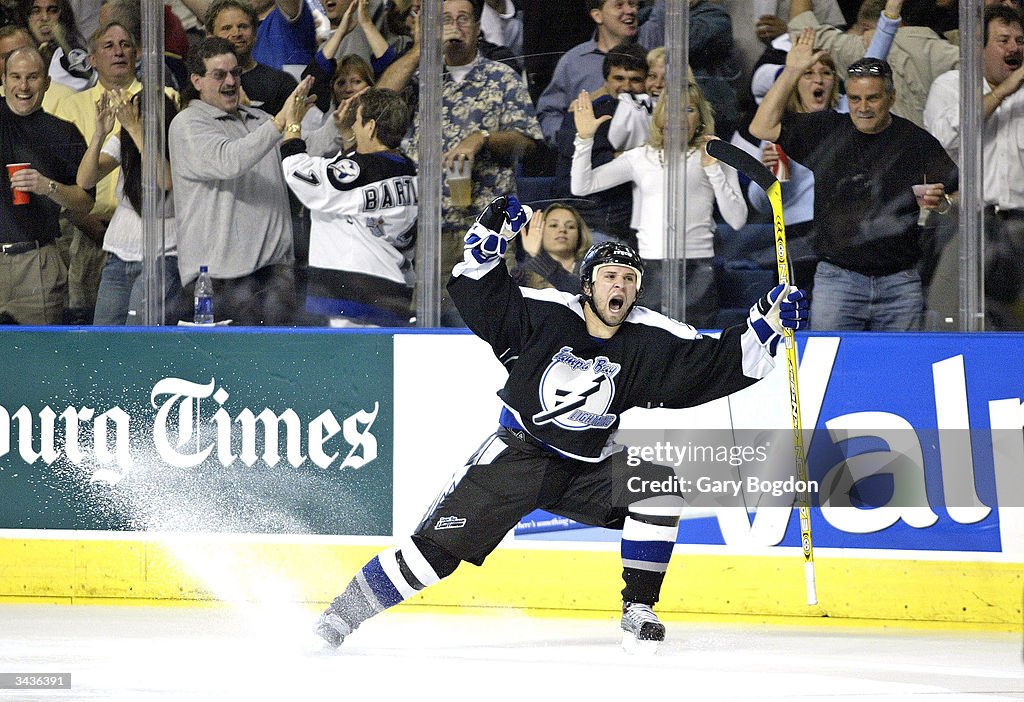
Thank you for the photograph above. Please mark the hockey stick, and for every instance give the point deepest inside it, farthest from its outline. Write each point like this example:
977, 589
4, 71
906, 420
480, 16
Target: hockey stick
759, 173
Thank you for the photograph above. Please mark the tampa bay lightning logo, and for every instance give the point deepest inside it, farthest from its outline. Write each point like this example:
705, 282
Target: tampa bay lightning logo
575, 393
344, 171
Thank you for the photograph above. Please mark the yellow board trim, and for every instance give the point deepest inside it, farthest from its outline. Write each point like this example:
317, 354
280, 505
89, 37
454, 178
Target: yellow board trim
981, 594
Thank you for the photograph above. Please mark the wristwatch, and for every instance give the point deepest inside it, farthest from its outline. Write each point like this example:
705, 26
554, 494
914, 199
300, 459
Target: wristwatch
51, 189
293, 128
949, 205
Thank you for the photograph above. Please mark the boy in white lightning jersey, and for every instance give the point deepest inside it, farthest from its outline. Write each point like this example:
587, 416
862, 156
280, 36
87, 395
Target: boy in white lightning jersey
363, 209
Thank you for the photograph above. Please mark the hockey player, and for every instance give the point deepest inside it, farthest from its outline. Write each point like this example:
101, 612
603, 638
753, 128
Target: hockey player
575, 363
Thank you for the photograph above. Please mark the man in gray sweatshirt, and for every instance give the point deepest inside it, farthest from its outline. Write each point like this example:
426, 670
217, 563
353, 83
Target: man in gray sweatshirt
230, 197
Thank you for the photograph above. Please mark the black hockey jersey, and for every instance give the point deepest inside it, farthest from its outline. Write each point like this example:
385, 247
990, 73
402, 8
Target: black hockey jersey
567, 388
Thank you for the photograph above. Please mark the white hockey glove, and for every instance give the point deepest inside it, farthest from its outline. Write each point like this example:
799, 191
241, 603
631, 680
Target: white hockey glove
497, 225
777, 311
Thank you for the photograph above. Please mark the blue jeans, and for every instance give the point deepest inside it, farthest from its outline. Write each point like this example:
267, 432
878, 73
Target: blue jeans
848, 301
122, 292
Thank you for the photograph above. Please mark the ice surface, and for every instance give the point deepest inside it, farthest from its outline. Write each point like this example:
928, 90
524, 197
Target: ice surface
264, 652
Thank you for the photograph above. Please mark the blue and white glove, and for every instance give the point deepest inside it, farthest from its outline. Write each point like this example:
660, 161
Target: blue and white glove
777, 311
497, 225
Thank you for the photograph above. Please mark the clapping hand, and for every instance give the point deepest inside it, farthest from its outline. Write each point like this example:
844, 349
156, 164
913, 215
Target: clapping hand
104, 115
583, 116
532, 238
126, 110
298, 102
348, 20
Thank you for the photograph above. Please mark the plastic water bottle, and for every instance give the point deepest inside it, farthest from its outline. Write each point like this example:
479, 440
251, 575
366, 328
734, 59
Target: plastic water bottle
203, 298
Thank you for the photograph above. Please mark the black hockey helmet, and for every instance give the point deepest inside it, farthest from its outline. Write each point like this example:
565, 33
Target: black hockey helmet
611, 253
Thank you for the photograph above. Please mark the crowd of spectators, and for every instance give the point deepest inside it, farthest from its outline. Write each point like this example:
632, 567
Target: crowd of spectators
293, 133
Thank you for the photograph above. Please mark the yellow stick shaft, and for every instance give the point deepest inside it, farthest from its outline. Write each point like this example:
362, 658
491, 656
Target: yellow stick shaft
803, 497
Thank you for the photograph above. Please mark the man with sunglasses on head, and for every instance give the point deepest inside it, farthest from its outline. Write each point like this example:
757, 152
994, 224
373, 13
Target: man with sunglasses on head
230, 197
866, 213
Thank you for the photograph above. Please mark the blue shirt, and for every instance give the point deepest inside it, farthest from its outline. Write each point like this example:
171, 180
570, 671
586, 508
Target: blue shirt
280, 42
579, 69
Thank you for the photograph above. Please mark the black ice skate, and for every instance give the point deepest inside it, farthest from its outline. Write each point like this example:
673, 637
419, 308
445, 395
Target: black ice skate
642, 631
332, 627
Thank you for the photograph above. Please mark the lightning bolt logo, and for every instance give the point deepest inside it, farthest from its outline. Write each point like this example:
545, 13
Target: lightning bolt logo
572, 397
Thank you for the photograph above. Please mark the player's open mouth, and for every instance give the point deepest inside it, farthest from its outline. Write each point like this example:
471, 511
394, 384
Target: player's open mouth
818, 93
615, 303
1014, 61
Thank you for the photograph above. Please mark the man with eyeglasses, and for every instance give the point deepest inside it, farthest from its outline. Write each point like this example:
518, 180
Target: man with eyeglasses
1003, 175
866, 212
230, 198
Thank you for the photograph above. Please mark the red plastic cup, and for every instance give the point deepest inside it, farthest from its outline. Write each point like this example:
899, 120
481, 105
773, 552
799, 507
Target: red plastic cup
20, 196
781, 168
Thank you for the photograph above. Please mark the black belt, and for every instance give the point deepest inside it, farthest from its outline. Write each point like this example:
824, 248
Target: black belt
19, 247
524, 437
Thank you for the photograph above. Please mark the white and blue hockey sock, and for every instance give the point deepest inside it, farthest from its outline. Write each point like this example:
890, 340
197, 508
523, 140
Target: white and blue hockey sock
647, 541
389, 578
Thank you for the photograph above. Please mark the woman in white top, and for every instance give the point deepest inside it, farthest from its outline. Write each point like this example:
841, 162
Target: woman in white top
121, 294
707, 182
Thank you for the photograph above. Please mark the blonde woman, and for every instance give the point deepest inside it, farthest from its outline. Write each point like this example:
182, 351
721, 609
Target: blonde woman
552, 248
708, 183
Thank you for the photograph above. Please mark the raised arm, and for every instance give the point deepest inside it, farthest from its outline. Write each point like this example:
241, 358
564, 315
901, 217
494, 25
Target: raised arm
1000, 92
378, 44
127, 112
882, 36
584, 179
726, 185
767, 122
202, 153
96, 165
397, 75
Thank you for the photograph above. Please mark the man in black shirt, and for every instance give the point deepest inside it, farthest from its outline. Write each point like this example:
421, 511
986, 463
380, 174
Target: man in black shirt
33, 278
865, 211
235, 20
575, 363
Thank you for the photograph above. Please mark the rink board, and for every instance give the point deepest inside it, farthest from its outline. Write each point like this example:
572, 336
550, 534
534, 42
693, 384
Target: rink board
389, 418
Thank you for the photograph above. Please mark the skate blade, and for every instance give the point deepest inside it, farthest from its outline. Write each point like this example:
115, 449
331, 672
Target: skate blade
636, 647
